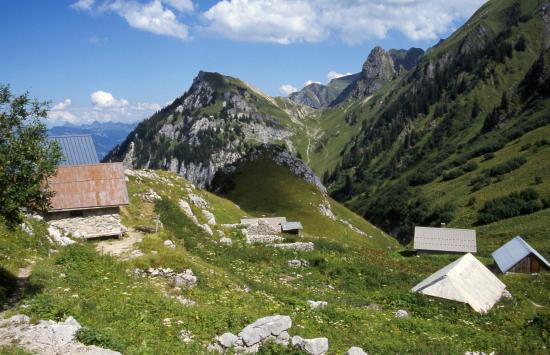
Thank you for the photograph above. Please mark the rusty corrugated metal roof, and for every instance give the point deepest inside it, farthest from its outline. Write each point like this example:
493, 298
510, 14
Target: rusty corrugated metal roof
88, 186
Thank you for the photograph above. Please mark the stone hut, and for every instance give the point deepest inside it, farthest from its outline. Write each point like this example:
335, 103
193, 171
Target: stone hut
87, 194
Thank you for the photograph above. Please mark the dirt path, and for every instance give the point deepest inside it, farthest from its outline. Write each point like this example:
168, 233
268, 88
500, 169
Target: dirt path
21, 285
122, 248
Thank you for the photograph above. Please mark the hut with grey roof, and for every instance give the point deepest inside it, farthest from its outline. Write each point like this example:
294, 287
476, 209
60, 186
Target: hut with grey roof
444, 240
518, 256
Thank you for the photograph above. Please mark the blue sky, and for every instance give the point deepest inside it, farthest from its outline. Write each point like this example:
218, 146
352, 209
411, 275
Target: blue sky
121, 60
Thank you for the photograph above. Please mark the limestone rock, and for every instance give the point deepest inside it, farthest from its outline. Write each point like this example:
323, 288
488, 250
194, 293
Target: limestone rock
46, 337
198, 201
298, 246
226, 241
354, 350
317, 304
57, 237
210, 218
507, 295
401, 314
186, 279
253, 336
296, 263
316, 346
169, 244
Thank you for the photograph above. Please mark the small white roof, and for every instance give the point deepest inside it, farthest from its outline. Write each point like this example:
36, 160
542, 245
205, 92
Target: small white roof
511, 253
445, 239
465, 280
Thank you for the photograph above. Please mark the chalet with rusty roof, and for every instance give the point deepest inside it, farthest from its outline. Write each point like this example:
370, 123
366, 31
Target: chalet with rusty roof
87, 194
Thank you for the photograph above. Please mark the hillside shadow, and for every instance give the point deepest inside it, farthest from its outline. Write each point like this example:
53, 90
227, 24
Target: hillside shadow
14, 288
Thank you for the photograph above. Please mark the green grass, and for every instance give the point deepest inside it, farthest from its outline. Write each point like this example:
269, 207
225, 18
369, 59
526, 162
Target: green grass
127, 313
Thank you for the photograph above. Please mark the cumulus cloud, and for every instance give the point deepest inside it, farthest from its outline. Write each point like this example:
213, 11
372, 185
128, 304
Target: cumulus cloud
62, 105
287, 89
152, 16
353, 21
335, 75
278, 21
105, 99
59, 113
309, 82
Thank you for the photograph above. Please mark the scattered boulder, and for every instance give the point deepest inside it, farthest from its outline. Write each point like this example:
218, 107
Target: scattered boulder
186, 279
198, 201
296, 263
210, 218
207, 229
46, 337
507, 295
316, 346
298, 246
150, 196
226, 241
25, 227
169, 244
145, 229
401, 314
56, 236
186, 336
354, 350
317, 304
185, 301
253, 336
186, 208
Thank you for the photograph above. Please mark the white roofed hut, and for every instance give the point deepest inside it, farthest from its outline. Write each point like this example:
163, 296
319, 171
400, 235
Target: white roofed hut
444, 240
465, 280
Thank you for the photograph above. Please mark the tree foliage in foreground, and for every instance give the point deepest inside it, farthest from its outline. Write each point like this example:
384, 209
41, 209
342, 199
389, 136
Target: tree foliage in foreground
27, 158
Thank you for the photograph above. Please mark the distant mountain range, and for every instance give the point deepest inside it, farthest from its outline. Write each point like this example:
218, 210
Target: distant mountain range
106, 135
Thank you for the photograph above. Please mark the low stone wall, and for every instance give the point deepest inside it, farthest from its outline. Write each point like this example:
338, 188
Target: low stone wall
94, 223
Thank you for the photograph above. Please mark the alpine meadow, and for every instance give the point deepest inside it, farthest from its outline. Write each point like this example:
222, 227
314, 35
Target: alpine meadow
402, 208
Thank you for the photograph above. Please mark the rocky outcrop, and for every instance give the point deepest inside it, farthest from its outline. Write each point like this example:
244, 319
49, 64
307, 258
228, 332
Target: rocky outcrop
317, 304
298, 246
377, 70
183, 279
253, 336
46, 337
476, 40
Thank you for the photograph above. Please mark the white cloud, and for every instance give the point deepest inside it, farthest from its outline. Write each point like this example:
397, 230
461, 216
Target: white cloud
287, 89
335, 75
181, 5
105, 107
145, 106
62, 105
83, 5
309, 82
104, 99
353, 21
151, 17
278, 21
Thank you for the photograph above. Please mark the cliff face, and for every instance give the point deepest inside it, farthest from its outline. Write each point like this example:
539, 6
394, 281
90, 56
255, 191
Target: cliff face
214, 124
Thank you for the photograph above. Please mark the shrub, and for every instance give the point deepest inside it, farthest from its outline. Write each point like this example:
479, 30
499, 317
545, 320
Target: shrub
422, 178
89, 336
470, 166
488, 156
479, 182
506, 167
515, 204
452, 174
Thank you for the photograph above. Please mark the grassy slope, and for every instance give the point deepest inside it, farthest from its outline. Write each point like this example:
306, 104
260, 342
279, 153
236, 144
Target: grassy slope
279, 193
131, 313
